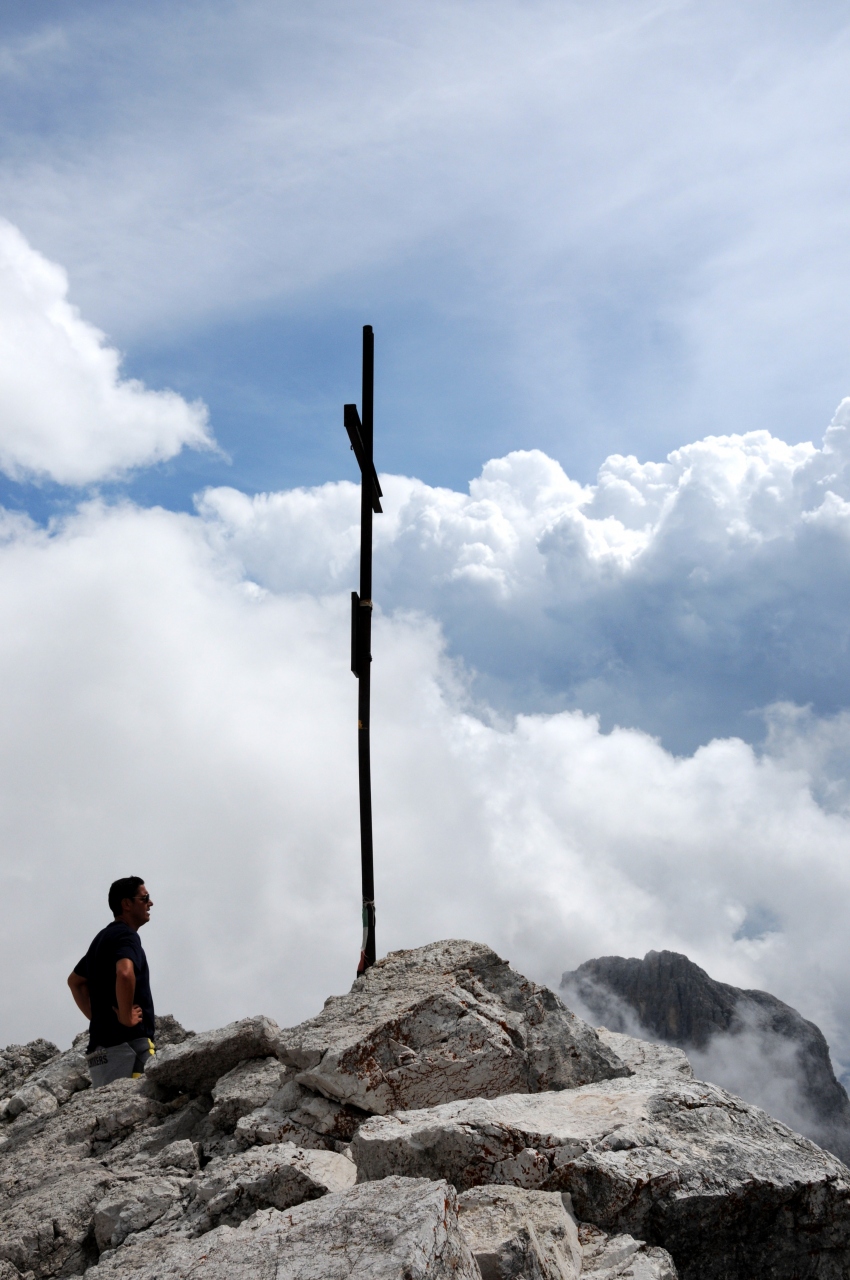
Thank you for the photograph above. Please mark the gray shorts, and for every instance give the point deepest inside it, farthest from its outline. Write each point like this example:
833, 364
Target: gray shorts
120, 1061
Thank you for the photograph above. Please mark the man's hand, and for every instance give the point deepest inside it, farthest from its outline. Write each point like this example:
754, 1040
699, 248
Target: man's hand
135, 1016
80, 992
129, 1014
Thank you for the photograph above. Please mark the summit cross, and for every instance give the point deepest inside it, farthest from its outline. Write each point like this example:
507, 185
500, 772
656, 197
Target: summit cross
360, 436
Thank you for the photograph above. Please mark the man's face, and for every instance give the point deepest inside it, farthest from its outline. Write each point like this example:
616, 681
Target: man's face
137, 911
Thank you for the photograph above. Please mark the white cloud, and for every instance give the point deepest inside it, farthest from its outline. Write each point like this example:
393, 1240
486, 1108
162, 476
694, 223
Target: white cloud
65, 412
163, 716
756, 1061
640, 206
679, 596
175, 701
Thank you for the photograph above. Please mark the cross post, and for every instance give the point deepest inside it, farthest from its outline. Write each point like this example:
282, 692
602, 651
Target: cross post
360, 436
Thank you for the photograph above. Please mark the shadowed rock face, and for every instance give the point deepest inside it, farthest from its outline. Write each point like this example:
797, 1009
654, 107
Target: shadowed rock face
676, 1001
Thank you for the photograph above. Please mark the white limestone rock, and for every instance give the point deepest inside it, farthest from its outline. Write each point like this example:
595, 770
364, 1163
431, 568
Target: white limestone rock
132, 1205
33, 1099
400, 1228
645, 1058
64, 1075
178, 1155
296, 1114
514, 1233
244, 1089
622, 1257
47, 1229
8, 1271
684, 1165
17, 1061
183, 1119
196, 1064
654, 1160
450, 1020
230, 1190
46, 1088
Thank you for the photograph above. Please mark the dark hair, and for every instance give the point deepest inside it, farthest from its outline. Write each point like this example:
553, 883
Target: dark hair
126, 887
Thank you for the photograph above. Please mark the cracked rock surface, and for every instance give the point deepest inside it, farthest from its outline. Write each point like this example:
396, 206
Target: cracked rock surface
199, 1062
647, 1059
515, 1233
400, 1228
450, 1020
681, 1164
252, 1151
621, 1257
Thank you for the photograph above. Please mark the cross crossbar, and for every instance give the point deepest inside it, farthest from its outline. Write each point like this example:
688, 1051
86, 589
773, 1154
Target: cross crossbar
353, 426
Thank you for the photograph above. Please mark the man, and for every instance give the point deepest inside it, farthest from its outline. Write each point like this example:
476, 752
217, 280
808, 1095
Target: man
111, 986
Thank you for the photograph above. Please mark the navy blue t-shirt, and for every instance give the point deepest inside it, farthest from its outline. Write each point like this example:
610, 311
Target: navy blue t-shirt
116, 942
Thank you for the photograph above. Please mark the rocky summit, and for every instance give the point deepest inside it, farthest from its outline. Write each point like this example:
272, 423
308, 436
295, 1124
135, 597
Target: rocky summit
445, 1118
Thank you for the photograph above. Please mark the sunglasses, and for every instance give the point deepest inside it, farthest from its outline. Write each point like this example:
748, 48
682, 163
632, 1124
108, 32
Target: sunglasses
143, 897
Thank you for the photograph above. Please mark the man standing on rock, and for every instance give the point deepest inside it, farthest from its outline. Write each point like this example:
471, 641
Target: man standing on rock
111, 986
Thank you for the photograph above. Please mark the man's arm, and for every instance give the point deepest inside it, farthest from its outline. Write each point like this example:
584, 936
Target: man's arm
80, 992
129, 1014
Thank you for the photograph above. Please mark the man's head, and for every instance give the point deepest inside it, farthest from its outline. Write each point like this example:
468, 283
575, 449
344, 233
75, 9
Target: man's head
130, 901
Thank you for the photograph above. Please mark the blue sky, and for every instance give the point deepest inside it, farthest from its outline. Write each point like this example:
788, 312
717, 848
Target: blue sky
582, 231
604, 250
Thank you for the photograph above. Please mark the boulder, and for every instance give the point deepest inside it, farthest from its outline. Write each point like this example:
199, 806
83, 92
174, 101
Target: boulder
645, 1058
197, 1171
133, 1205
683, 1165
169, 1031
178, 1155
514, 1233
244, 1089
621, 1257
64, 1075
184, 1120
399, 1228
47, 1230
296, 1114
17, 1061
47, 1087
32, 1098
230, 1190
90, 1124
450, 1020
198, 1062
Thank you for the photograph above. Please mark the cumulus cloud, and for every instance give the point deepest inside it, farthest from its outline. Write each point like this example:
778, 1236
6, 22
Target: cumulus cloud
163, 713
66, 413
176, 702
679, 597
629, 215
